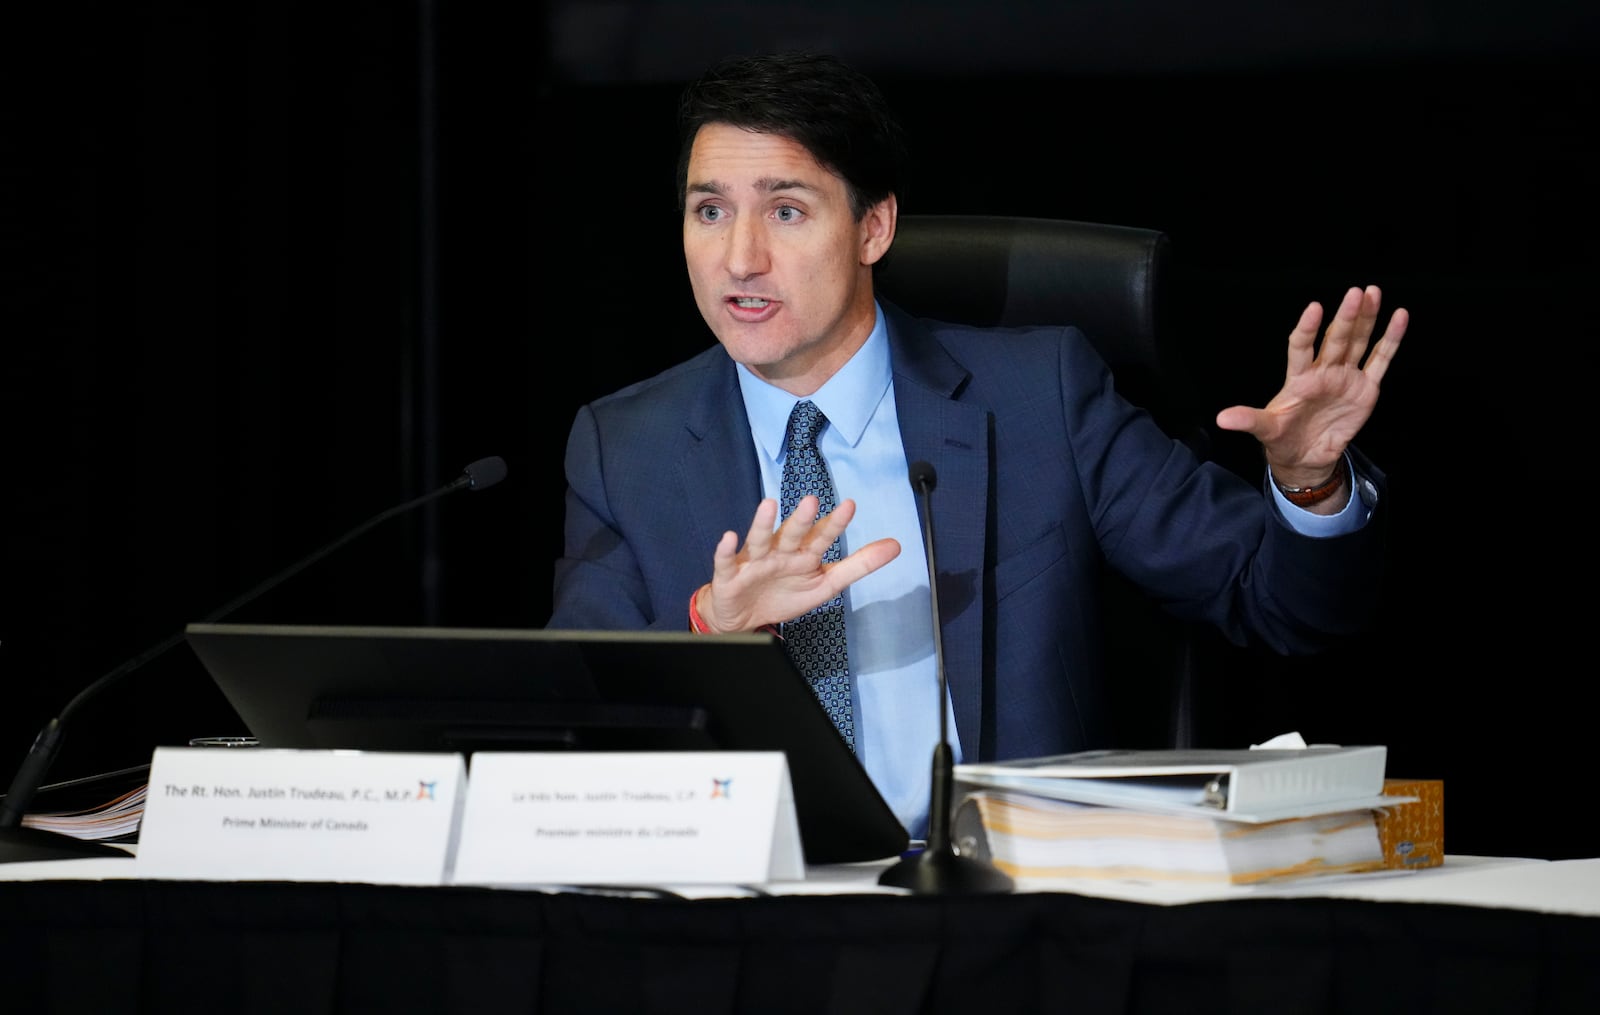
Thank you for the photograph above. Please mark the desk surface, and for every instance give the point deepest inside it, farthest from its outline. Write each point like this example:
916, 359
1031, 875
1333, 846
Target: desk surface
1570, 887
81, 939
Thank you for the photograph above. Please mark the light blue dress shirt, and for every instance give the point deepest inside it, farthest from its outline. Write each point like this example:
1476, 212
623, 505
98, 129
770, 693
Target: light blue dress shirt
888, 614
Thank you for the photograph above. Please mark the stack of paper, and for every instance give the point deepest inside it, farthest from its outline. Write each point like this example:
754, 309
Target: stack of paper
1202, 816
115, 821
1031, 836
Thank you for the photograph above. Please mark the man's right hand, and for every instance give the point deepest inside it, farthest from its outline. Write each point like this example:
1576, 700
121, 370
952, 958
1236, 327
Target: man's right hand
780, 574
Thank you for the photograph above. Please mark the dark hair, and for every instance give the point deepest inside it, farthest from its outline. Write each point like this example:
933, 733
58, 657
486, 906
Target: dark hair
835, 112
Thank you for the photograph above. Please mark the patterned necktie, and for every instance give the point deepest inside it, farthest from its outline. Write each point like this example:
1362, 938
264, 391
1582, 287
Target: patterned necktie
816, 640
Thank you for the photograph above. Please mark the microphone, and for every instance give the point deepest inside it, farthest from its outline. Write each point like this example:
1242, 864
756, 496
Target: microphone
19, 842
939, 869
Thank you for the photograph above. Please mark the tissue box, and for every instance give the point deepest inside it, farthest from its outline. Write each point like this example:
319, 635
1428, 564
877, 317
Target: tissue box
1413, 834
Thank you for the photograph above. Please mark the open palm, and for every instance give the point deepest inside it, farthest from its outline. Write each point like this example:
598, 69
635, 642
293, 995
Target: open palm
1329, 391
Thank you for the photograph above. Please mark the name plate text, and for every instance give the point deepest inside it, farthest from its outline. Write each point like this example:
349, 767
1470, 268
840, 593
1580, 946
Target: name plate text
582, 818
301, 815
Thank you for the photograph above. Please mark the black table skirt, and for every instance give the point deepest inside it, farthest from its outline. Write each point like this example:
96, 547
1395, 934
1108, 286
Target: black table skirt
178, 947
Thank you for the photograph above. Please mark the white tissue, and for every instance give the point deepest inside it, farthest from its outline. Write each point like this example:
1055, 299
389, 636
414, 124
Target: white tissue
1282, 741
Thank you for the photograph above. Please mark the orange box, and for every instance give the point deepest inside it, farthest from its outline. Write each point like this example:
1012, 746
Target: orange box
1412, 834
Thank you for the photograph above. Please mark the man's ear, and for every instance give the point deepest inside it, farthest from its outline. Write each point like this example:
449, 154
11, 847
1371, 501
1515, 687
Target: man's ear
877, 229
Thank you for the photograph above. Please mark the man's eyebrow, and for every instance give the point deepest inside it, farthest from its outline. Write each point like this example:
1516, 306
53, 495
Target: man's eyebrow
772, 185
769, 184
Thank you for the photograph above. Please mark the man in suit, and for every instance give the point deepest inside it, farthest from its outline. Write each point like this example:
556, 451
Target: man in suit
789, 175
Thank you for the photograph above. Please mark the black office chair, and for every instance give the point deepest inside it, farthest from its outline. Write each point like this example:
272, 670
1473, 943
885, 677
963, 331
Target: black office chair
1107, 280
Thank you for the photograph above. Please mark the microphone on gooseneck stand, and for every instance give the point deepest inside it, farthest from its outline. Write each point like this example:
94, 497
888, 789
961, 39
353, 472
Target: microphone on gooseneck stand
939, 869
19, 842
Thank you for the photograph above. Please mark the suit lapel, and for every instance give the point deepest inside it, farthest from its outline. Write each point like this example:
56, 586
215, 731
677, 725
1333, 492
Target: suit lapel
953, 437
718, 481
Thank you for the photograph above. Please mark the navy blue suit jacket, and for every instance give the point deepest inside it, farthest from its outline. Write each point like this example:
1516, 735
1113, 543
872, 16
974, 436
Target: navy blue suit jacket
1045, 475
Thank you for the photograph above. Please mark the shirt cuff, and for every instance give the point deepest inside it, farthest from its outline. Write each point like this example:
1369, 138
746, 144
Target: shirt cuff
1351, 517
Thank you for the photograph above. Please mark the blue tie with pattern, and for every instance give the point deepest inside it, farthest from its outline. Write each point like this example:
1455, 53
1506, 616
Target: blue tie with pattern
816, 640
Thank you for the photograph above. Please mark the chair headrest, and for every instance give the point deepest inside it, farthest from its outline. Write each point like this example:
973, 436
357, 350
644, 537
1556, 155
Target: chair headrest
999, 270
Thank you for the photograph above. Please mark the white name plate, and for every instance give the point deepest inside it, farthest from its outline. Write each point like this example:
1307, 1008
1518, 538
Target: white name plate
677, 817
287, 815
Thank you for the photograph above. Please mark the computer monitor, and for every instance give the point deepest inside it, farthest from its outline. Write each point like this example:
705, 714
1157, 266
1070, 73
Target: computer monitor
465, 689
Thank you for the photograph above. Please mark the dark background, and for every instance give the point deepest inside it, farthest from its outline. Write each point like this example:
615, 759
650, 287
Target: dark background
275, 267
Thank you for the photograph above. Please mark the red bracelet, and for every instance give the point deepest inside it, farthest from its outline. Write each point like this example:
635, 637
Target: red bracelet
695, 623
698, 626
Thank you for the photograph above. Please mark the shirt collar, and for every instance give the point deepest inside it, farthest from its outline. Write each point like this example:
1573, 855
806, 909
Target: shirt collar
848, 398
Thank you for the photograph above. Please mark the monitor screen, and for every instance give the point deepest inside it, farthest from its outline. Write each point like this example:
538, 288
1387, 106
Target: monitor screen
464, 690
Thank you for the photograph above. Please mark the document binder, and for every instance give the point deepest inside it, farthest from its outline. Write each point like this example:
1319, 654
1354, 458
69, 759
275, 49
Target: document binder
1251, 785
1029, 836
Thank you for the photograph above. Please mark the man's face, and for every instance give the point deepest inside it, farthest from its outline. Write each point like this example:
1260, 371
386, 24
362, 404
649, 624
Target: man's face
781, 270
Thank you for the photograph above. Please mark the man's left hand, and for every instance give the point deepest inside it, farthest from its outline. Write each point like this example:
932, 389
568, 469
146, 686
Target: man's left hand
1328, 392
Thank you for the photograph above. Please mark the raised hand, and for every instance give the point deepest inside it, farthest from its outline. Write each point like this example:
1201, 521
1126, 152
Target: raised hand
1329, 391
779, 574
